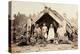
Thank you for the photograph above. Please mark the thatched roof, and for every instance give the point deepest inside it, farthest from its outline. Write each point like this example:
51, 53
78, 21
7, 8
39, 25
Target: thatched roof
55, 15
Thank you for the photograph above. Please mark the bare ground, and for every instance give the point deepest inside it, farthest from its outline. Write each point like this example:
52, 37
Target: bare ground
39, 48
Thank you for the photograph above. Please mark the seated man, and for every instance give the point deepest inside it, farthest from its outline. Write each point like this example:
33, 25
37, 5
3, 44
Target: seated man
65, 39
74, 37
33, 39
22, 40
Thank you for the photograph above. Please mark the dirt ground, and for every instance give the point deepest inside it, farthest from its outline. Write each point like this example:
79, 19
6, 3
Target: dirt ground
39, 48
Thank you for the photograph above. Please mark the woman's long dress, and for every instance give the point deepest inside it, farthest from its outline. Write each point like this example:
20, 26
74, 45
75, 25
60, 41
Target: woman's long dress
51, 34
44, 31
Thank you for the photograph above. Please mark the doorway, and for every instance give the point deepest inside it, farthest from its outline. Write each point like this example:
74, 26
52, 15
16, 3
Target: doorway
47, 19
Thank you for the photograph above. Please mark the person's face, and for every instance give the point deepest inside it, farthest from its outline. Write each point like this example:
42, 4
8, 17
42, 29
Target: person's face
43, 24
36, 25
51, 25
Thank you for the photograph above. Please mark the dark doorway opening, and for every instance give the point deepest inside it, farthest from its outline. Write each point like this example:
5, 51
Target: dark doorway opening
47, 19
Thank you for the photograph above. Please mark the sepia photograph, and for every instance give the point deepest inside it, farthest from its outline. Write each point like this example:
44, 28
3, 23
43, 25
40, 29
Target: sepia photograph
39, 26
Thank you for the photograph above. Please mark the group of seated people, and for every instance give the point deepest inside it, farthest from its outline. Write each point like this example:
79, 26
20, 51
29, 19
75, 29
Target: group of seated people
42, 35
